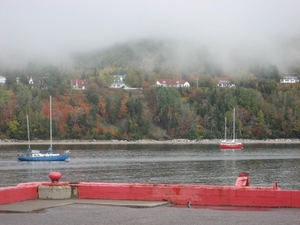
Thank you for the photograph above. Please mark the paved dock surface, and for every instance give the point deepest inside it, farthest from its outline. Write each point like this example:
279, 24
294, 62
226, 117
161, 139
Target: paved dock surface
40, 204
88, 212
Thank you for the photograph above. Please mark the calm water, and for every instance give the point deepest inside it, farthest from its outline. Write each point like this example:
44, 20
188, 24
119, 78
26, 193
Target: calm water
180, 164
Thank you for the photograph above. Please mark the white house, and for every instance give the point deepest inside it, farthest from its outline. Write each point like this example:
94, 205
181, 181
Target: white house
2, 80
224, 82
172, 83
290, 79
30, 81
118, 81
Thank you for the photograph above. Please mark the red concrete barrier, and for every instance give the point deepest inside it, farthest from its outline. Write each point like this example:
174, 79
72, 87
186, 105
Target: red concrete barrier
21, 192
203, 195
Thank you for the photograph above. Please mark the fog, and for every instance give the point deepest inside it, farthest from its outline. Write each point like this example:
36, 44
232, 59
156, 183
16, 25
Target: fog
233, 32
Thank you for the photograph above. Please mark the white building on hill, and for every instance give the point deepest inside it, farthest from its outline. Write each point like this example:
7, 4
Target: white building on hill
290, 79
2, 80
172, 83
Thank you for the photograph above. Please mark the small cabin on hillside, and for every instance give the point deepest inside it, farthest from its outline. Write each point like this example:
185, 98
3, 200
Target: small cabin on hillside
290, 79
224, 82
78, 84
172, 83
2, 80
118, 81
30, 82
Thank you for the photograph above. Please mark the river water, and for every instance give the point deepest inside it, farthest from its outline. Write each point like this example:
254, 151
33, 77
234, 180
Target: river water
160, 163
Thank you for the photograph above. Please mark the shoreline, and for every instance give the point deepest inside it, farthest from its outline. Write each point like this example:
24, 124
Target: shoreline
148, 141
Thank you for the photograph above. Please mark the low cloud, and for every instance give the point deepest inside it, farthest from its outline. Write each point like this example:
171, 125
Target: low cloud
232, 32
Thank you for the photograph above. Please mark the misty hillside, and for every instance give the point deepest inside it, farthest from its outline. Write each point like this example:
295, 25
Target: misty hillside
152, 55
253, 44
147, 54
265, 107
207, 37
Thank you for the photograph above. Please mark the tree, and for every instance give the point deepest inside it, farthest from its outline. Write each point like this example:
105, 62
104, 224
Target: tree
260, 117
13, 128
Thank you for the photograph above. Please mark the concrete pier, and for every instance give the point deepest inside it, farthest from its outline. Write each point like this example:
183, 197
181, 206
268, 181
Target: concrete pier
240, 195
54, 192
55, 189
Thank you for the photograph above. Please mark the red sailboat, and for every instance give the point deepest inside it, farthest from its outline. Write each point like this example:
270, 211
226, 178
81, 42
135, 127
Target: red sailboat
231, 144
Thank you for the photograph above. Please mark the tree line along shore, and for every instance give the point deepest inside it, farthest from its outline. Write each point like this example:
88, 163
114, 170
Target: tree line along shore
113, 142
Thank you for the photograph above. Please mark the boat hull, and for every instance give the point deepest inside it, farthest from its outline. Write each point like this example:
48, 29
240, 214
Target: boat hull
61, 157
231, 146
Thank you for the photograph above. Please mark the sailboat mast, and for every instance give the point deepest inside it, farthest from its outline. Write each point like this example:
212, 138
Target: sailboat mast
50, 122
233, 133
225, 130
28, 132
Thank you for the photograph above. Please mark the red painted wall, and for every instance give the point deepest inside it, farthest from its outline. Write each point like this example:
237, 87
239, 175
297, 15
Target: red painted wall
203, 195
21, 192
196, 194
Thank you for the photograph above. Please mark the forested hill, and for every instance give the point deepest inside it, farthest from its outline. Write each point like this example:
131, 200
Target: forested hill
161, 57
264, 107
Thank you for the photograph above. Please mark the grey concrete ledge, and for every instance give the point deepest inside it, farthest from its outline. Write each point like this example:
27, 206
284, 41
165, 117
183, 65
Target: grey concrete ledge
41, 204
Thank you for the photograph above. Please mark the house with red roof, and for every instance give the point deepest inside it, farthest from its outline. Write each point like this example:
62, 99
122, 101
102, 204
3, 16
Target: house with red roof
172, 83
224, 82
78, 84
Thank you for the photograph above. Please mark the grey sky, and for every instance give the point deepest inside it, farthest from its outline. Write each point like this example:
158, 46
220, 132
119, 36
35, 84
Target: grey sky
233, 30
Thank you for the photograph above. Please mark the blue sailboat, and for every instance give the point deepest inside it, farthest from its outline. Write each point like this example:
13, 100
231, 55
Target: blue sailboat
37, 155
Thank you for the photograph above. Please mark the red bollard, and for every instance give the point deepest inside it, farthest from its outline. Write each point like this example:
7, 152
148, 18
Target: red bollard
55, 176
243, 180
